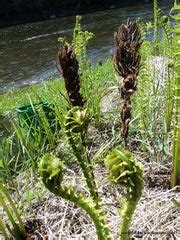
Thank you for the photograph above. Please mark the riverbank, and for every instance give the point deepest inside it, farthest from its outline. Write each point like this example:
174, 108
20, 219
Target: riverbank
30, 49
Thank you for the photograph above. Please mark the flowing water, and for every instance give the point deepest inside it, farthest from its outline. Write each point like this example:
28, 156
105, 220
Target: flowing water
28, 52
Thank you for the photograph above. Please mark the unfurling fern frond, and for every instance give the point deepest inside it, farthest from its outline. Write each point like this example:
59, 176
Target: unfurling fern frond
127, 172
76, 120
51, 171
76, 126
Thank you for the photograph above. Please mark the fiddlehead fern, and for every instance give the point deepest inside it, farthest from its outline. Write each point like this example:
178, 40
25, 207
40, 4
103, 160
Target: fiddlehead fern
126, 171
76, 126
51, 171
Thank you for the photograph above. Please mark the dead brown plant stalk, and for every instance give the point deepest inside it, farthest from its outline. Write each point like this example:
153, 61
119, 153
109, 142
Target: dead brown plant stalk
127, 64
69, 67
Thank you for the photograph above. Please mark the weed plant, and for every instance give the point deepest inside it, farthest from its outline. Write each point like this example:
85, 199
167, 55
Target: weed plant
14, 225
153, 103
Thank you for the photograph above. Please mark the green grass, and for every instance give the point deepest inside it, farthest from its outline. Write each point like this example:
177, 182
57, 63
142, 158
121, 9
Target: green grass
13, 99
53, 89
19, 150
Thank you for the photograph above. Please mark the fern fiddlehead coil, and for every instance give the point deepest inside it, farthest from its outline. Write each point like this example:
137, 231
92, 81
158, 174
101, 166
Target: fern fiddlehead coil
76, 126
127, 172
51, 172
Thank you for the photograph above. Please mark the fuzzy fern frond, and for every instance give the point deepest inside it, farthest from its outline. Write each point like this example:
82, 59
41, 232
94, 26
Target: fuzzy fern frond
76, 126
51, 171
124, 170
76, 120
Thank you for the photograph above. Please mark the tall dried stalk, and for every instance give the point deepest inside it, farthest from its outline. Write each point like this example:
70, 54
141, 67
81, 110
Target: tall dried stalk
127, 63
69, 67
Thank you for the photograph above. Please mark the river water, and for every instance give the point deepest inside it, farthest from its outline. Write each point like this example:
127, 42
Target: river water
28, 52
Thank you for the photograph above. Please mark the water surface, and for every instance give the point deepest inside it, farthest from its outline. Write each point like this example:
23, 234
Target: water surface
28, 52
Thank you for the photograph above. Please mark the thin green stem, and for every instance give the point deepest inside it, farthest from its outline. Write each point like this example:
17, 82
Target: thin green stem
3, 230
85, 168
176, 139
155, 20
128, 211
96, 215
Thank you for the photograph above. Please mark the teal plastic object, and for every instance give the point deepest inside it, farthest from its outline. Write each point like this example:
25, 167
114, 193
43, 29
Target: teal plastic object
29, 118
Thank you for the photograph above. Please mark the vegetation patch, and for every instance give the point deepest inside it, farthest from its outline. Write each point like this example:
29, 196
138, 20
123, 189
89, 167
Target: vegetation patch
96, 155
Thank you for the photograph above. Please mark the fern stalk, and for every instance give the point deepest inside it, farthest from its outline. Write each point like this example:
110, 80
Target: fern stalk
127, 172
51, 171
76, 126
176, 139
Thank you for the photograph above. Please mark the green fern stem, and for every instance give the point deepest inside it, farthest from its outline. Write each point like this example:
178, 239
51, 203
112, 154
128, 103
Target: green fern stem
128, 209
76, 125
176, 138
127, 172
169, 100
86, 168
51, 171
90, 208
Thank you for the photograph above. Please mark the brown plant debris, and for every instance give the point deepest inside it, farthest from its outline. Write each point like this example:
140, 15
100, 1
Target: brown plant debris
69, 67
127, 63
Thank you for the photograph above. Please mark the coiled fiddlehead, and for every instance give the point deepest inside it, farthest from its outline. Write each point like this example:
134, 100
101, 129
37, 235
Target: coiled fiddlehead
127, 172
76, 127
51, 171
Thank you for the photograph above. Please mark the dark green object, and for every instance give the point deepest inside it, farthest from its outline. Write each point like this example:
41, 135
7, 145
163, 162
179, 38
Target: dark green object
30, 118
